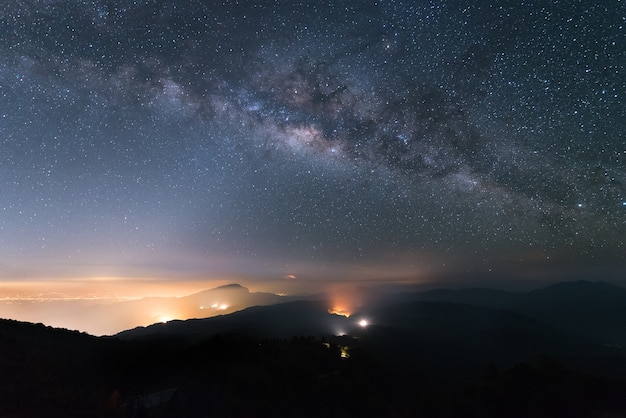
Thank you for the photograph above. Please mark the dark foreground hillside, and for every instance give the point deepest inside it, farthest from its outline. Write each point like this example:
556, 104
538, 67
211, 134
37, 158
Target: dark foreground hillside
419, 359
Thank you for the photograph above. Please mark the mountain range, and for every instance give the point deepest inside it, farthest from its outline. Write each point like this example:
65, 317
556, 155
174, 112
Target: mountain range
555, 351
471, 325
110, 317
596, 310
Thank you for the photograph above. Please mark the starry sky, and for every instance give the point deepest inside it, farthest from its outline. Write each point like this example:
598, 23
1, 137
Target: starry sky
313, 141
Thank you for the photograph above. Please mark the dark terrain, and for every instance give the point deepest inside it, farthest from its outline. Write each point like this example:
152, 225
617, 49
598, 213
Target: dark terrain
435, 354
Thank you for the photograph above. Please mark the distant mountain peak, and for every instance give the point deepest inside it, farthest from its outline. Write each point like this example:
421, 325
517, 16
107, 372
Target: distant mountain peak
581, 285
231, 286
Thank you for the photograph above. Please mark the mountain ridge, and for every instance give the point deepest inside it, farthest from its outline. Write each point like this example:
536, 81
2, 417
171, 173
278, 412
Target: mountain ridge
435, 358
592, 309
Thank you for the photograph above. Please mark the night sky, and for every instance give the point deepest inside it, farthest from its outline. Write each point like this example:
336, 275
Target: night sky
332, 141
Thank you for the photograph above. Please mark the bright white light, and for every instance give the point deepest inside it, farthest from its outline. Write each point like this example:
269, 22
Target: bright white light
223, 307
363, 323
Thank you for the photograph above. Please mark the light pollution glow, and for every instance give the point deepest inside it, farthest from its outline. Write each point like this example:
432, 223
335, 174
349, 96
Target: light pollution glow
84, 305
58, 301
107, 305
62, 300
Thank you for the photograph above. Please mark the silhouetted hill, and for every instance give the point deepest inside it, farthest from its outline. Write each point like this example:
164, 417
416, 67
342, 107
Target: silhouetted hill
418, 358
280, 320
229, 298
233, 286
596, 310
438, 330
43, 370
446, 344
475, 296
468, 335
107, 319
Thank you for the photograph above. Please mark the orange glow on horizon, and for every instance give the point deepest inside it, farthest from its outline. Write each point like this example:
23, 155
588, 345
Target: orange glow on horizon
102, 288
339, 311
107, 305
165, 318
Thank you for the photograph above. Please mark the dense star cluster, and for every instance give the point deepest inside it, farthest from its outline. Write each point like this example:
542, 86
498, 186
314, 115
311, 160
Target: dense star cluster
163, 138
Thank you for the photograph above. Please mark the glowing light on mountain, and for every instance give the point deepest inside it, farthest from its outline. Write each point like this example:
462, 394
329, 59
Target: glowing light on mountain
345, 301
345, 352
363, 323
163, 318
339, 311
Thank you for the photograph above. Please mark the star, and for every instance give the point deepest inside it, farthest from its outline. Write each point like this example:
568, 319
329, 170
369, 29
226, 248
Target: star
146, 139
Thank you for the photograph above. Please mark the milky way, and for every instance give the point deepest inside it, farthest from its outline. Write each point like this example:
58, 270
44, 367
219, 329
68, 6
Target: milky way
166, 138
